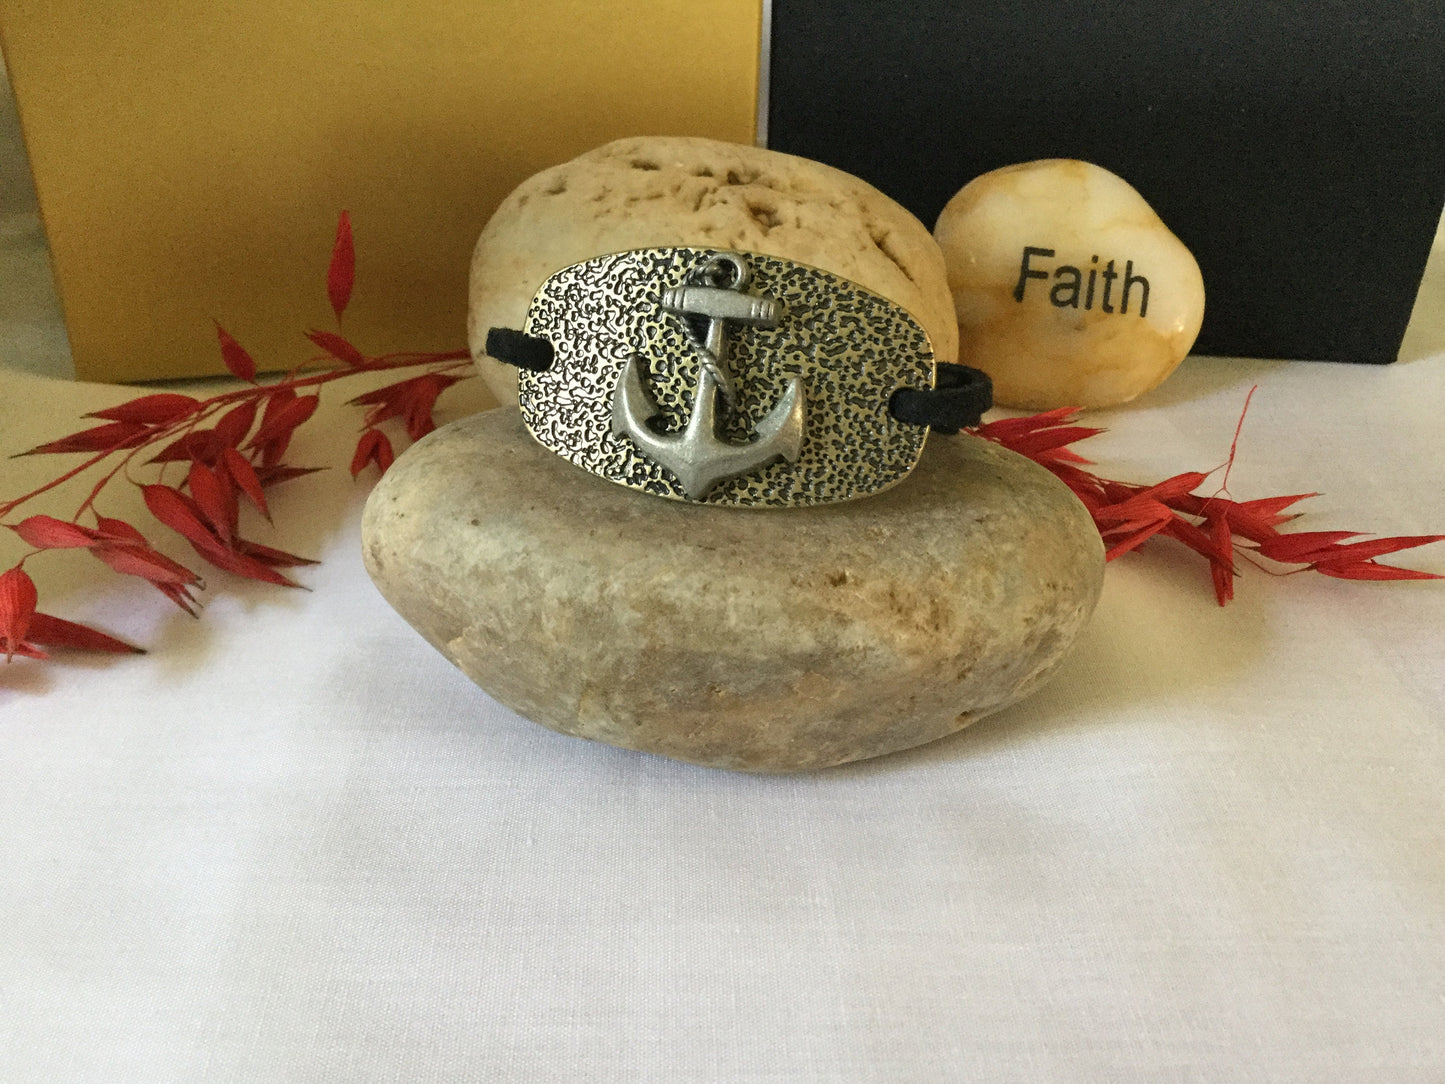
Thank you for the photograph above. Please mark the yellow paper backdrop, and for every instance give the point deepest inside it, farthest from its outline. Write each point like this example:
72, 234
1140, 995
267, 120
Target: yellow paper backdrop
191, 156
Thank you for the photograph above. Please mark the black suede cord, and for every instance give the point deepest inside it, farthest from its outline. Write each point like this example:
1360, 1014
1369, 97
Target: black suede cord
520, 349
957, 401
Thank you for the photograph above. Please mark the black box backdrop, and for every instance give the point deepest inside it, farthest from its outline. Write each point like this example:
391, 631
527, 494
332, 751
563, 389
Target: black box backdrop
1298, 148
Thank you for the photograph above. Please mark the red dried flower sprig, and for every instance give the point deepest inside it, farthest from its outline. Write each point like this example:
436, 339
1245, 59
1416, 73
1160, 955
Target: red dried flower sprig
235, 444
1217, 527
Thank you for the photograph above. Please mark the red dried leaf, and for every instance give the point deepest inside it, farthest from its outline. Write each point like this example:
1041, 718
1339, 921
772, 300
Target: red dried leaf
49, 533
1221, 564
1081, 482
236, 423
1302, 547
382, 412
1269, 508
239, 362
17, 610
1134, 512
273, 557
341, 274
173, 580
1132, 540
1042, 437
373, 447
1371, 548
1006, 429
271, 454
58, 632
273, 474
385, 403
1178, 486
110, 437
241, 565
1043, 440
282, 417
1201, 541
389, 393
271, 450
1060, 455
1368, 570
130, 554
200, 446
148, 564
165, 408
337, 347
1254, 520
183, 515
412, 398
246, 479
119, 529
216, 499
284, 412
179, 513
181, 596
419, 420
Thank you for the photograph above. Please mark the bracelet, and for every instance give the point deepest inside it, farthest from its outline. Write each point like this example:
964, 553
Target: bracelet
731, 378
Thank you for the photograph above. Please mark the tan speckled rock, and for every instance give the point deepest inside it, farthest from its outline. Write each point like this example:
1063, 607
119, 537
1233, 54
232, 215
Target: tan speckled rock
673, 190
1070, 290
767, 640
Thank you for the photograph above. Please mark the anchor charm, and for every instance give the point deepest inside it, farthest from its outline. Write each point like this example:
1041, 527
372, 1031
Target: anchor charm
697, 455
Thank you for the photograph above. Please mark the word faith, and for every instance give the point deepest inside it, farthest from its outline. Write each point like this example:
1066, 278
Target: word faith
1069, 282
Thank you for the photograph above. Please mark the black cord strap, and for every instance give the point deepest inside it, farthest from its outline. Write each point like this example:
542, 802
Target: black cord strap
957, 401
520, 349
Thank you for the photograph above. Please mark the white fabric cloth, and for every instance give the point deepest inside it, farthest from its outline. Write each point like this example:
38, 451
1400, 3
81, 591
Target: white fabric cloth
292, 843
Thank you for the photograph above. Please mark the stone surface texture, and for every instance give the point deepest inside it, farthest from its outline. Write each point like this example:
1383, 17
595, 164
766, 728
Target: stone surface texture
1060, 345
673, 190
770, 640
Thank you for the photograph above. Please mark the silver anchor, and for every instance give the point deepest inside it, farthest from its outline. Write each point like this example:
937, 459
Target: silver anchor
696, 455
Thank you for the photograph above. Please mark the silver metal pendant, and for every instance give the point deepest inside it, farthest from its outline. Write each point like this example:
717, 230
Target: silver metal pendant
725, 378
697, 456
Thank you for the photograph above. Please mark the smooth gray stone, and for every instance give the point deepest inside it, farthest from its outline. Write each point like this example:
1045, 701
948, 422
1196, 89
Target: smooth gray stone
768, 640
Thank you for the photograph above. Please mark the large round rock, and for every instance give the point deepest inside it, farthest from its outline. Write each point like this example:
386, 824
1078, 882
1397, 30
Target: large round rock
767, 640
659, 191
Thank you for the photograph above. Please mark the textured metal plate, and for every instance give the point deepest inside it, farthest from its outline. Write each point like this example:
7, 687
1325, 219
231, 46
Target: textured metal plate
851, 348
